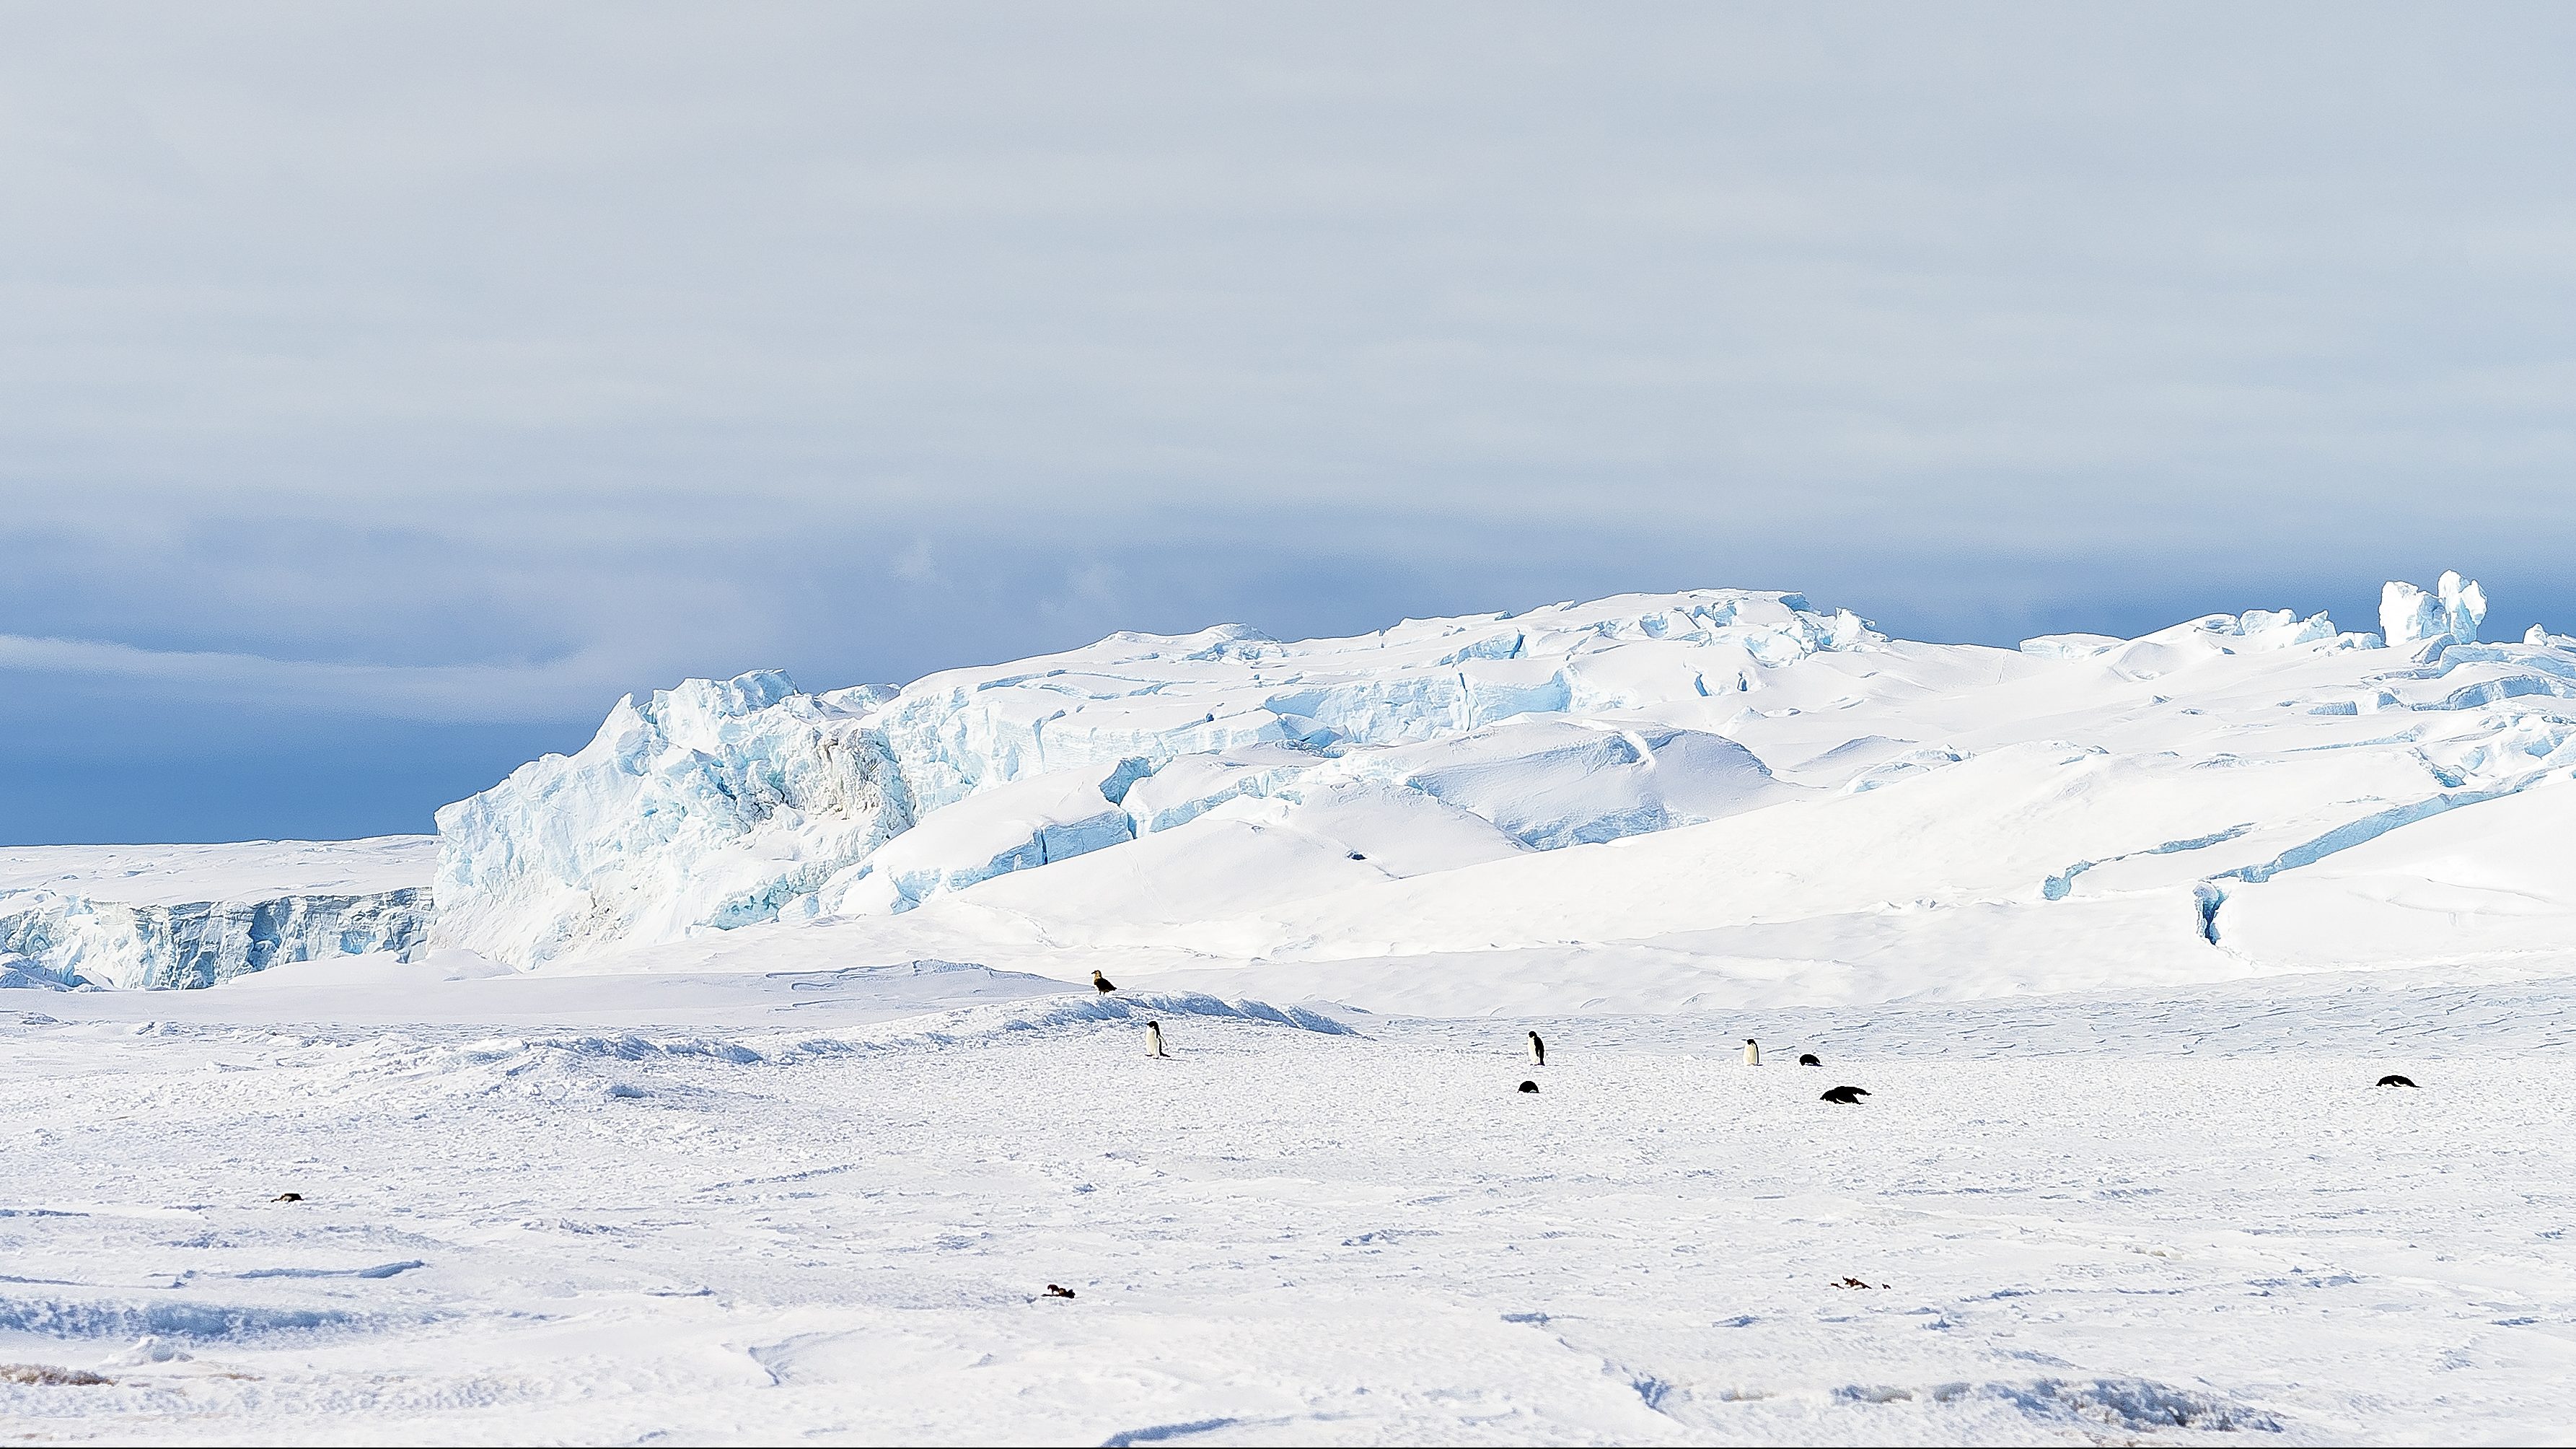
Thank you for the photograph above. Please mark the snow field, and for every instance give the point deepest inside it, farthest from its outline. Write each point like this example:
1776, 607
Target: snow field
1282, 1235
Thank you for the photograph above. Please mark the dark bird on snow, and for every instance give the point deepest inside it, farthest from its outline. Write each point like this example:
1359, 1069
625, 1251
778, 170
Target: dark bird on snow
2394, 1080
1529, 1086
1102, 984
1848, 1096
1055, 1292
288, 1197
1538, 1051
1809, 1059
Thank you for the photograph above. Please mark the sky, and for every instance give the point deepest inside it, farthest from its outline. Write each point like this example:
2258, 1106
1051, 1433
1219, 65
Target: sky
389, 388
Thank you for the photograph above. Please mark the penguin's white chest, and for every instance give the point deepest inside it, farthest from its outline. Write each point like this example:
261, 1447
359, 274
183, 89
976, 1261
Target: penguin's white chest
1752, 1055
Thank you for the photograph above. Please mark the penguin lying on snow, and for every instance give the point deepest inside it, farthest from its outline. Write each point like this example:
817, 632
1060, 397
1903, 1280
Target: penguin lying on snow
1538, 1051
1102, 984
1055, 1291
1848, 1096
1529, 1086
2394, 1080
1809, 1059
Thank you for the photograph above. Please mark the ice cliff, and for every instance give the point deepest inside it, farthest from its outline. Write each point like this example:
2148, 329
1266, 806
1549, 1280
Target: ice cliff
199, 915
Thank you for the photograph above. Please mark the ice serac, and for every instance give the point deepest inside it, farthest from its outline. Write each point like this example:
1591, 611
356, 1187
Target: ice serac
722, 804
2423, 624
712, 804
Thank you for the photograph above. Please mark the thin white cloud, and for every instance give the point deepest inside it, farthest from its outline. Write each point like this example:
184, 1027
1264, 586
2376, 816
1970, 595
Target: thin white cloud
566, 688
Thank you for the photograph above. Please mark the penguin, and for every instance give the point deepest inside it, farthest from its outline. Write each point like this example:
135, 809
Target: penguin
1529, 1086
1810, 1059
1847, 1096
299, 1197
1055, 1292
1102, 984
1153, 1039
2394, 1080
1752, 1052
1538, 1051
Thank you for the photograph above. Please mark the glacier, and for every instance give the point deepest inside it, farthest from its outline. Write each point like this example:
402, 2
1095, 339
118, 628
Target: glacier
719, 804
1665, 795
1782, 789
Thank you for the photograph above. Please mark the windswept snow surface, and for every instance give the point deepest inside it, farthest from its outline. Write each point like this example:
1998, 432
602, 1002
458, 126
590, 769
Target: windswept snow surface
751, 1208
1645, 803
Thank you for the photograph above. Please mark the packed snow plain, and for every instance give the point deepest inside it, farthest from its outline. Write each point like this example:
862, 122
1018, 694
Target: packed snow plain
746, 1081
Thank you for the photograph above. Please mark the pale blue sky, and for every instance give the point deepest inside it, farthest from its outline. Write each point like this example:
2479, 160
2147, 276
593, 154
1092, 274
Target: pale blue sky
390, 387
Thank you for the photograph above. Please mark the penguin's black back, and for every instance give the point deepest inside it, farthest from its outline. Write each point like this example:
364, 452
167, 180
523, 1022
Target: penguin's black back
1529, 1086
1847, 1096
2394, 1080
1809, 1059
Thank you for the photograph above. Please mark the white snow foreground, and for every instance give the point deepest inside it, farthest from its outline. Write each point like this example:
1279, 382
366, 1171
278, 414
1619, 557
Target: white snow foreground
783, 1216
1638, 804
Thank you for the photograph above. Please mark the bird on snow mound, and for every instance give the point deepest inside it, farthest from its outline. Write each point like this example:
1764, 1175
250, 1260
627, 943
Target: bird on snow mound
1102, 984
2394, 1080
1848, 1096
1810, 1059
1529, 1086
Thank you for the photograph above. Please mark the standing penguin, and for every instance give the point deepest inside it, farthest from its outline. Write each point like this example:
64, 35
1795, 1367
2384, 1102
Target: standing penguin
1102, 984
1538, 1051
1153, 1039
1752, 1053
